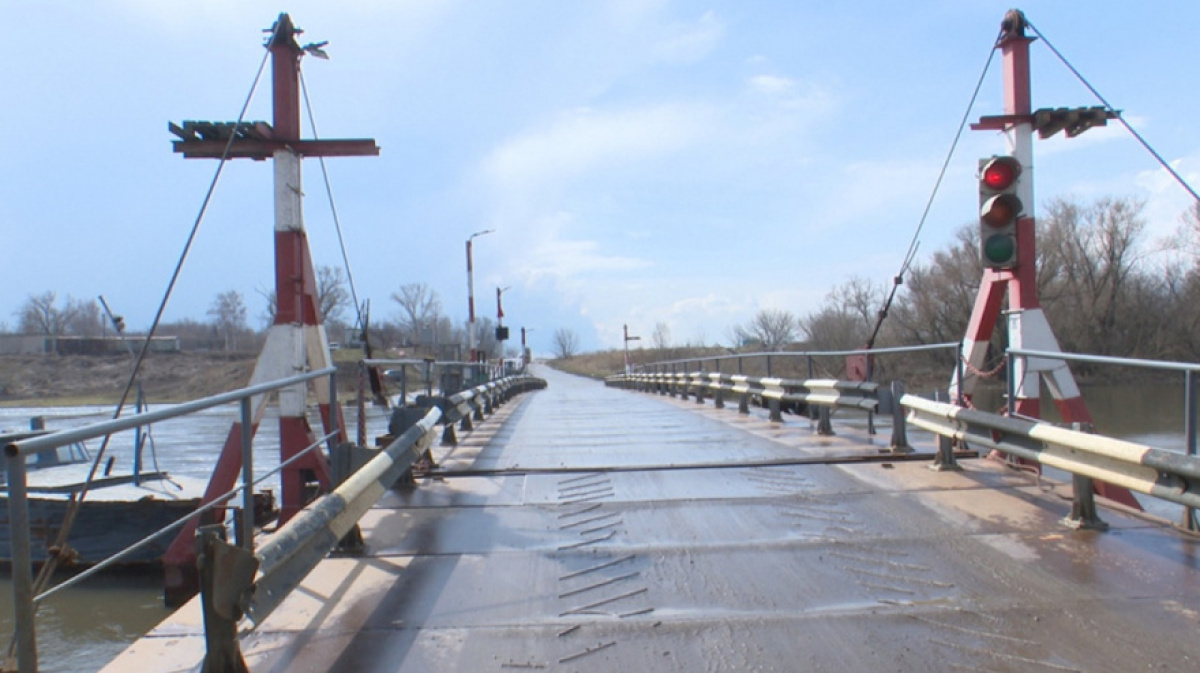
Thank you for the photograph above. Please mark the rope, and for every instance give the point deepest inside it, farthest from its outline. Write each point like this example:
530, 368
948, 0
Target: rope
312, 123
49, 566
915, 244
1108, 106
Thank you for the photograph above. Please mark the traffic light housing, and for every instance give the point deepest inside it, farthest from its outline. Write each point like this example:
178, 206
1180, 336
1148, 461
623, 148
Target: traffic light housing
999, 208
501, 334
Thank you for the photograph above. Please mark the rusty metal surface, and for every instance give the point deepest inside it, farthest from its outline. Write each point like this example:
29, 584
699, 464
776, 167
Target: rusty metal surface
869, 566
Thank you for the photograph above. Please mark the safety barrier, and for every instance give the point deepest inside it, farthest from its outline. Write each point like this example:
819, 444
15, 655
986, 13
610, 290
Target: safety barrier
16, 453
820, 397
1137, 467
229, 589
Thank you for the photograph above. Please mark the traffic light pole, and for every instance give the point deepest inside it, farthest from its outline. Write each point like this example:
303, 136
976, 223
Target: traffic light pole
1028, 327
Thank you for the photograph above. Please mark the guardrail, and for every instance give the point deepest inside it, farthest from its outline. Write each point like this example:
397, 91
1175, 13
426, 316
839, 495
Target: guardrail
1137, 467
15, 454
229, 589
1035, 360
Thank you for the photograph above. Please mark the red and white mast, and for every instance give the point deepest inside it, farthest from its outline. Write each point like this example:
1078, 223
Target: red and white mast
296, 341
1027, 326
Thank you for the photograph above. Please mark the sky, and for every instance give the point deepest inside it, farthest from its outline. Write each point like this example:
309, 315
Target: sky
641, 161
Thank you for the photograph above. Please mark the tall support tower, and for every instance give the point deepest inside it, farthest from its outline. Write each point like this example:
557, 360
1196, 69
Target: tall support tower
296, 341
1027, 324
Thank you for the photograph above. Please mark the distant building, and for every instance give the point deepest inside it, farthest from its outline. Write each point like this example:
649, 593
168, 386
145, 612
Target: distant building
42, 344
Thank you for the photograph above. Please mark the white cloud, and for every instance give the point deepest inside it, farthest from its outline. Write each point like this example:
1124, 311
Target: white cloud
585, 139
691, 42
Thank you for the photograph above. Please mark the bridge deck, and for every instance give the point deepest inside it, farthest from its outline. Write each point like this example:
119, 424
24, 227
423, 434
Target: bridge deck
588, 529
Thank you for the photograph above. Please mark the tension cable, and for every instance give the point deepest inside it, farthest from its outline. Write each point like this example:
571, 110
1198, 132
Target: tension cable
1158, 157
915, 244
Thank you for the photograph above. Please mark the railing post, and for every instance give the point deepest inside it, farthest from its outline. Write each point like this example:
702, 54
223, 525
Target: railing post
899, 420
824, 422
945, 461
768, 364
1190, 522
224, 571
870, 378
22, 566
813, 413
361, 405
1010, 381
247, 519
960, 399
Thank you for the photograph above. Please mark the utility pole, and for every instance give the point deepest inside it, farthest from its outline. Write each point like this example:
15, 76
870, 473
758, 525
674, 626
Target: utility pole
472, 338
628, 363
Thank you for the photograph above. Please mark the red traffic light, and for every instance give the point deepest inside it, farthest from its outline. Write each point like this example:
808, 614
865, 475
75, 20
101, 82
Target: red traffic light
1000, 173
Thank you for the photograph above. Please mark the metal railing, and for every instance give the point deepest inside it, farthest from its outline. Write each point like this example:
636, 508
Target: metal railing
821, 397
771, 359
16, 453
229, 586
1189, 370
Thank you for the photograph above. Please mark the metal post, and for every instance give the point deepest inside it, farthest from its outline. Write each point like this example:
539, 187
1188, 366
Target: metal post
768, 364
361, 406
870, 375
247, 540
1084, 515
1190, 522
958, 375
1010, 382
899, 420
22, 566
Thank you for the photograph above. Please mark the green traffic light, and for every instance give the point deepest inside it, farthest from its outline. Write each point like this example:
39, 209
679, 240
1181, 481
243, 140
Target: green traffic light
999, 250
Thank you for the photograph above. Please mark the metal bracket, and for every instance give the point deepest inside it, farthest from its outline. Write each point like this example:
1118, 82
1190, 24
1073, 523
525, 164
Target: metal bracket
226, 580
1084, 515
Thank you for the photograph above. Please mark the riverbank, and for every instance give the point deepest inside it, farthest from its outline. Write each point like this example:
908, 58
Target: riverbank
71, 380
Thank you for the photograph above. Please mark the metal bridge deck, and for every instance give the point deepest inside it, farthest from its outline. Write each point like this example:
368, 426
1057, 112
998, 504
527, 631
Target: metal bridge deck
716, 545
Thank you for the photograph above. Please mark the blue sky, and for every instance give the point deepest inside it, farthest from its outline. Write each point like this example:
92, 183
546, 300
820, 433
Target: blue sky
641, 161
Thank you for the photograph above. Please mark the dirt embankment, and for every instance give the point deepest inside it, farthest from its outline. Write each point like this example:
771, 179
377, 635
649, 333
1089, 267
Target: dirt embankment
93, 379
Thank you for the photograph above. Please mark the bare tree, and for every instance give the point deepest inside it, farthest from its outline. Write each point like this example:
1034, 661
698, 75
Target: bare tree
661, 339
41, 314
229, 317
1094, 249
846, 319
566, 343
84, 318
332, 295
420, 306
771, 328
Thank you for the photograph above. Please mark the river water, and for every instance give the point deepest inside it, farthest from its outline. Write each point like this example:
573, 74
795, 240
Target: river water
82, 629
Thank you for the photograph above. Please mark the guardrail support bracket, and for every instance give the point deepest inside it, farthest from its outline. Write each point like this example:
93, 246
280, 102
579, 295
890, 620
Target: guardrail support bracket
945, 461
1083, 510
824, 423
226, 572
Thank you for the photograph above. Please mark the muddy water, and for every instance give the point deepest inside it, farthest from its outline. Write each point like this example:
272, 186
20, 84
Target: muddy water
84, 628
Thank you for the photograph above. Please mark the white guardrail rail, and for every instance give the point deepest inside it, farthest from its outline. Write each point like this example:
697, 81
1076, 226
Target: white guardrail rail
1144, 469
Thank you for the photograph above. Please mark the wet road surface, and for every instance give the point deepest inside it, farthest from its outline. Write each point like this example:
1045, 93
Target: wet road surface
716, 544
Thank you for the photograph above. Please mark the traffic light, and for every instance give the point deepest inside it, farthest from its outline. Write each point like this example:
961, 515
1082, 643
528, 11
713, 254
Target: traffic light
999, 208
501, 334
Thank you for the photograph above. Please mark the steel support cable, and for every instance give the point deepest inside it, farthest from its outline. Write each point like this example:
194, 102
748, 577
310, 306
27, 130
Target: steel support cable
911, 254
337, 224
376, 381
1108, 106
49, 566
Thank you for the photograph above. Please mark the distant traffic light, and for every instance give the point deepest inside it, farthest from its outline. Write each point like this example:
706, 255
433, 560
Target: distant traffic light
501, 334
999, 208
